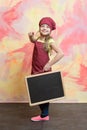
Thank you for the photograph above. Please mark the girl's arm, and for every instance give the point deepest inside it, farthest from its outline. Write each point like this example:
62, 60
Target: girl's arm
31, 37
59, 55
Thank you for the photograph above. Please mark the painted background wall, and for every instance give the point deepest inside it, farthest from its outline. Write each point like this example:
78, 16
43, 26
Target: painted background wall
17, 18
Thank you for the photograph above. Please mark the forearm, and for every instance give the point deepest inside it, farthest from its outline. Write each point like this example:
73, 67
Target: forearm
52, 62
55, 59
31, 37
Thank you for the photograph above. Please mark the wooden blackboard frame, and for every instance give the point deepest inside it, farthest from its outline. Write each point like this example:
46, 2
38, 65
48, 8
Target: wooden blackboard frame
31, 80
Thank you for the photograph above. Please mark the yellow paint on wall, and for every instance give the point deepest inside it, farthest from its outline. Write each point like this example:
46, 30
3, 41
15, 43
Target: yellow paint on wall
10, 44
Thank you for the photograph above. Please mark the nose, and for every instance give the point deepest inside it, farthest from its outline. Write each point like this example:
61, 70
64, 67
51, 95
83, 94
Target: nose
44, 27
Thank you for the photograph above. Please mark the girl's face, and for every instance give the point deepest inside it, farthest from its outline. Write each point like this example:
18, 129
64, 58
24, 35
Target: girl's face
45, 29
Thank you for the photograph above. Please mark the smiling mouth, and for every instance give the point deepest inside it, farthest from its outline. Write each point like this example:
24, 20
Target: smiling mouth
44, 31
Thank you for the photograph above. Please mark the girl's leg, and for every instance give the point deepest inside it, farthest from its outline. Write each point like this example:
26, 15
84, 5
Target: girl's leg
44, 113
44, 109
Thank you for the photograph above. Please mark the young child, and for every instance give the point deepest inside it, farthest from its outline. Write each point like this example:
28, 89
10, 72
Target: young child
43, 45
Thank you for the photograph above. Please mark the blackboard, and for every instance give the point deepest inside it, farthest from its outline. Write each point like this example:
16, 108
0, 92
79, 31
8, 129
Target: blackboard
44, 87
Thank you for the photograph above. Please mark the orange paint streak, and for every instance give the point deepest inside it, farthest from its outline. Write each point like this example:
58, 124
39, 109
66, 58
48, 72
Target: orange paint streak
82, 80
27, 50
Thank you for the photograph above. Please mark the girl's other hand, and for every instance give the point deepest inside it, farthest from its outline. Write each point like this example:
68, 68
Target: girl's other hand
47, 67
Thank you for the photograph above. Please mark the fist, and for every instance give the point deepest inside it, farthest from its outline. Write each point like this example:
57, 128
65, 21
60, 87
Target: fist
47, 67
30, 34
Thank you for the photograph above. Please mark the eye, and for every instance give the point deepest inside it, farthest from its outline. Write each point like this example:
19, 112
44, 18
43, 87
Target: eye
42, 26
48, 26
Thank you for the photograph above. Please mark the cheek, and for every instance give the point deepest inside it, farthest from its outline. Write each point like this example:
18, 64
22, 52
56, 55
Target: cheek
49, 30
40, 29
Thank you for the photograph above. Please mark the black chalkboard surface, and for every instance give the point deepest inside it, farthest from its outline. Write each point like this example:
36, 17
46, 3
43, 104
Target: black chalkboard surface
44, 87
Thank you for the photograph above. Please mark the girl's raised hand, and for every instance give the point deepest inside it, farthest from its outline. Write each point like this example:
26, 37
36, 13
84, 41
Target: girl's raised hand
30, 34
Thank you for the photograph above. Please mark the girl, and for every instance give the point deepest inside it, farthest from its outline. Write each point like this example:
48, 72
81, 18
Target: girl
43, 45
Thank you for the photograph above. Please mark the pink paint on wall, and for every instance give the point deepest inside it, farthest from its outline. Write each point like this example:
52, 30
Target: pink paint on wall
15, 21
6, 20
74, 28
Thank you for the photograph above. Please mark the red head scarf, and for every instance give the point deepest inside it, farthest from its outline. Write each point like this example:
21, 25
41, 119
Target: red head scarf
49, 21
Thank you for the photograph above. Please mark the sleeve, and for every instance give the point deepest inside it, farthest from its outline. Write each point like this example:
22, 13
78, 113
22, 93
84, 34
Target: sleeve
51, 40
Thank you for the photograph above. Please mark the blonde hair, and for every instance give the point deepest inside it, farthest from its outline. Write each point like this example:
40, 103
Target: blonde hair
47, 45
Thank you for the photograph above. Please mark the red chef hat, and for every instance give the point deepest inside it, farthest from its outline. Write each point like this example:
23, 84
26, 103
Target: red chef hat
49, 21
